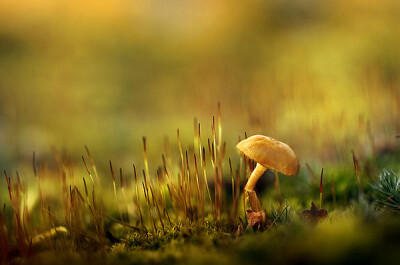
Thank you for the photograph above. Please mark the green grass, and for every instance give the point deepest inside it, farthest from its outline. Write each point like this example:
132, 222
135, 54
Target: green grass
387, 191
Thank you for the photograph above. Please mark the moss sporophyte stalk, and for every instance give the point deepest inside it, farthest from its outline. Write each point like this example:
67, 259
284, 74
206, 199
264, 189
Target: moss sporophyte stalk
193, 201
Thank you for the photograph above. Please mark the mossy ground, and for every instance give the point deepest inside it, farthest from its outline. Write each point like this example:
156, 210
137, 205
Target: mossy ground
342, 239
103, 227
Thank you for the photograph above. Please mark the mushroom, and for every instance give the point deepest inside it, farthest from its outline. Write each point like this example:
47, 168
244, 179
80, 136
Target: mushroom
269, 154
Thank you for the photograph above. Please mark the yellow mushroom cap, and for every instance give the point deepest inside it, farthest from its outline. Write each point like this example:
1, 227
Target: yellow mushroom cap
270, 153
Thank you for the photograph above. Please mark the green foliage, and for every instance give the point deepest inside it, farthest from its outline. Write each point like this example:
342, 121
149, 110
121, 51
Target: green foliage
387, 191
282, 217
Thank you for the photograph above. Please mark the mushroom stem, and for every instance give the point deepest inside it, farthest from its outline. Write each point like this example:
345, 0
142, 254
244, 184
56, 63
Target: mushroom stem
255, 175
254, 202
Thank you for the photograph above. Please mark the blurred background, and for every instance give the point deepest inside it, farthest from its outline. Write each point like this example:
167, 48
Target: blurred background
322, 76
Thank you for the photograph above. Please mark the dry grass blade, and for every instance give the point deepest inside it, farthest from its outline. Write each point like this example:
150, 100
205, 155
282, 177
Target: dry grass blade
115, 192
39, 187
146, 163
4, 244
357, 171
181, 154
157, 208
276, 218
160, 181
137, 196
199, 196
188, 186
147, 197
94, 169
206, 182
122, 184
97, 216
21, 237
311, 173
320, 189
219, 125
238, 170
101, 207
